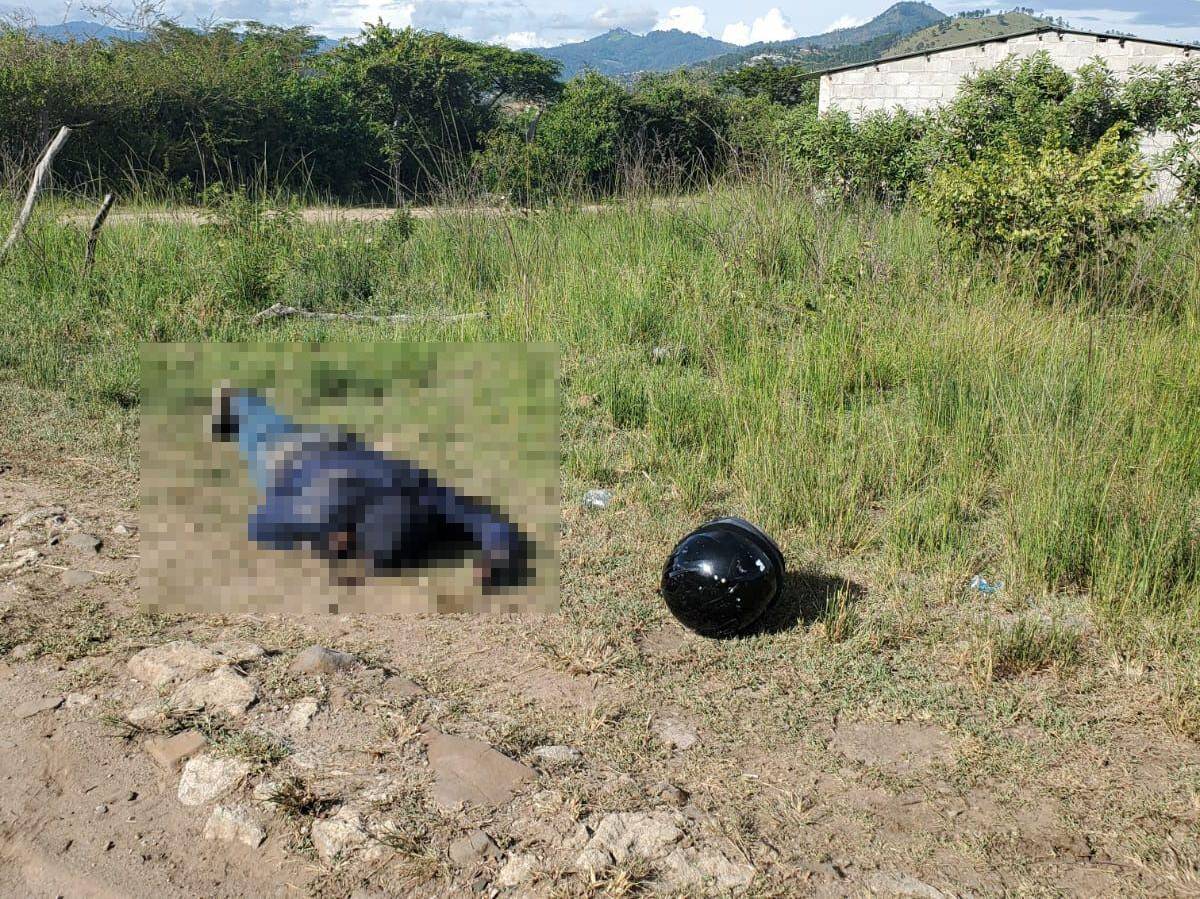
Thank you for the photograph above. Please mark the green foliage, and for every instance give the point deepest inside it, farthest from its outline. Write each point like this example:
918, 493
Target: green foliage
1062, 204
429, 97
881, 155
782, 84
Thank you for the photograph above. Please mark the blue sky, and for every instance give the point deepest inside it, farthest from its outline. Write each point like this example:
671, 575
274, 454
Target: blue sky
525, 23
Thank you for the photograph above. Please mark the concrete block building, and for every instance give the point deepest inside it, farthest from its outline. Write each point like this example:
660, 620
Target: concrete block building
925, 80
929, 78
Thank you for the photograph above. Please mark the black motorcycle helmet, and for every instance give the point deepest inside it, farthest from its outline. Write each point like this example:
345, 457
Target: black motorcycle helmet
721, 578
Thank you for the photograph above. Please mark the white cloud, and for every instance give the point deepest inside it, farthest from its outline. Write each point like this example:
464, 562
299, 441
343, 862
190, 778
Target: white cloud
631, 18
846, 22
520, 40
683, 18
348, 18
770, 27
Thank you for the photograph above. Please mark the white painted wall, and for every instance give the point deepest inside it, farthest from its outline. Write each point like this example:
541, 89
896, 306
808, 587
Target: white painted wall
924, 82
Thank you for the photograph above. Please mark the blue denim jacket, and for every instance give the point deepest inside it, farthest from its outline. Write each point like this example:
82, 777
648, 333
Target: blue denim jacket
318, 484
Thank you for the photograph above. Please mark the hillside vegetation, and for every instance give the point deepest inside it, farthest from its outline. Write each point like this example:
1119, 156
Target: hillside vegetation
963, 30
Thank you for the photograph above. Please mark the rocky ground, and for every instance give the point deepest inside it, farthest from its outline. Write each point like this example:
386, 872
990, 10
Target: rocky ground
586, 753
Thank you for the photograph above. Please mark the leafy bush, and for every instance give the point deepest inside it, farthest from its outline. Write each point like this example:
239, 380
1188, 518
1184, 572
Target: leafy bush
880, 155
1059, 203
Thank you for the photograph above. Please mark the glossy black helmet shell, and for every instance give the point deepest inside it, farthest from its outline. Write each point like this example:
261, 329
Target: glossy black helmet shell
721, 578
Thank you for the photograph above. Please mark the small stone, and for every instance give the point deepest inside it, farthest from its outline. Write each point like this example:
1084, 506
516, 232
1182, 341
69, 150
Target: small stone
696, 868
401, 688
101, 810
622, 835
74, 577
123, 530
302, 713
37, 706
146, 715
470, 772
21, 559
206, 778
37, 516
675, 734
337, 837
671, 794
265, 791
76, 701
160, 666
520, 868
85, 543
238, 652
558, 755
319, 660
22, 651
231, 824
171, 752
223, 691
472, 848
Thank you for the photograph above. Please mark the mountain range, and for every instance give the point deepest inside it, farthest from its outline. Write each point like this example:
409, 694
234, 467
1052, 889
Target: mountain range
620, 52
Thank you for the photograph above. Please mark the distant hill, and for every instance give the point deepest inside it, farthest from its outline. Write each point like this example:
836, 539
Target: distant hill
965, 30
621, 52
83, 31
873, 37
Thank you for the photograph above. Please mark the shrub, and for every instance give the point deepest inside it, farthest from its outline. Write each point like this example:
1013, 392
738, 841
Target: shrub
1060, 204
881, 155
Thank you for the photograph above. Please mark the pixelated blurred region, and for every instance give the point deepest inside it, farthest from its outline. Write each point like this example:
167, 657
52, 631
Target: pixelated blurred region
349, 478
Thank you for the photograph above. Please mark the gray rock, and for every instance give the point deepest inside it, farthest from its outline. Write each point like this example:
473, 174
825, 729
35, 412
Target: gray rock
74, 577
206, 778
472, 848
238, 652
337, 837
84, 543
302, 712
37, 706
22, 651
520, 868
233, 824
469, 772
179, 660
265, 791
885, 884
623, 835
671, 794
123, 530
692, 869
171, 752
319, 660
76, 701
37, 516
558, 755
223, 691
147, 715
675, 734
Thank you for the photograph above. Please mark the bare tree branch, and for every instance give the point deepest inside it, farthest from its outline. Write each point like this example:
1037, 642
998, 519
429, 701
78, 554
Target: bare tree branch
40, 176
94, 233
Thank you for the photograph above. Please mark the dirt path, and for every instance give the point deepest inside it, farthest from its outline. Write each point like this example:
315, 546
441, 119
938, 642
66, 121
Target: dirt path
625, 751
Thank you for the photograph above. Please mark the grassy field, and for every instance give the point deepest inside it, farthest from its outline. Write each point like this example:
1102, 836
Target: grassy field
838, 374
902, 416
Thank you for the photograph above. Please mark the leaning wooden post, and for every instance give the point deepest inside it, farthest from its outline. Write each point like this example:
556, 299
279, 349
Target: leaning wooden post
94, 233
40, 174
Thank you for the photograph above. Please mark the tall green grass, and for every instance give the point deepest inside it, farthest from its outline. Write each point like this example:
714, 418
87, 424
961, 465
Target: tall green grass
838, 373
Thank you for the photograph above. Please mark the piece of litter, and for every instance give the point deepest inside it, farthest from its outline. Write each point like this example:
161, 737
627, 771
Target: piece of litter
984, 586
597, 499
